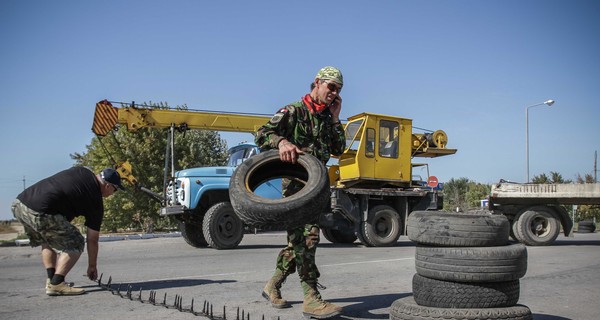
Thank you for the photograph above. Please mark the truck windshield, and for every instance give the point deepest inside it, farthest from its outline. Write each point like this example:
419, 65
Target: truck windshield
353, 132
237, 155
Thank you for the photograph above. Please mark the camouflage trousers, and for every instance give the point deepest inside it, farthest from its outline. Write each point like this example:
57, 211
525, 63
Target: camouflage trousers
52, 230
300, 253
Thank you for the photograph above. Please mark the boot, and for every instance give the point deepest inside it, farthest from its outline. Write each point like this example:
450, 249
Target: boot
272, 290
314, 306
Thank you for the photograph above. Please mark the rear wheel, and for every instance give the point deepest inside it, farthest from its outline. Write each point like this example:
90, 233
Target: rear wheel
222, 228
537, 226
382, 228
192, 234
339, 236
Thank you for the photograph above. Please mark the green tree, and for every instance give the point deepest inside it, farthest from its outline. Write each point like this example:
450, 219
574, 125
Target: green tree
587, 212
455, 192
145, 150
475, 193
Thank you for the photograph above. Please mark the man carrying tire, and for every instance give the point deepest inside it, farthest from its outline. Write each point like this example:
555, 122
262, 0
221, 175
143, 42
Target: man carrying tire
312, 126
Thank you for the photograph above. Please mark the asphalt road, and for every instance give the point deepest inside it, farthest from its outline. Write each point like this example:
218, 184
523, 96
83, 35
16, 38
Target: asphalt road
562, 281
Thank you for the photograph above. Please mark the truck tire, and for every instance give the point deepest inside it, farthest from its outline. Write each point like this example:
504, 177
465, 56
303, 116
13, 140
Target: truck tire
448, 294
407, 309
222, 228
382, 228
537, 226
472, 264
299, 209
450, 229
586, 226
339, 236
192, 234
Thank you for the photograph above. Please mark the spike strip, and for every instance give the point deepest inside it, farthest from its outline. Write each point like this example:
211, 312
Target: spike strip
207, 310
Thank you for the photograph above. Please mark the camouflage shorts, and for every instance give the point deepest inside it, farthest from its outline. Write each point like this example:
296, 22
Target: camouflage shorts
53, 230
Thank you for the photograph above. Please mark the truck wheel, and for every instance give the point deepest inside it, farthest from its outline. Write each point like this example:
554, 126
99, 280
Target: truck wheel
339, 236
222, 228
513, 226
301, 208
450, 229
449, 294
537, 226
192, 234
382, 228
406, 308
472, 264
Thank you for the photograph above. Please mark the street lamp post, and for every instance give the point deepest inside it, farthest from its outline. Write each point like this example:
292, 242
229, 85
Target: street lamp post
548, 103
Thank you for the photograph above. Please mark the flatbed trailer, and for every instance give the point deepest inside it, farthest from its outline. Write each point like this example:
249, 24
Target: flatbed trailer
536, 211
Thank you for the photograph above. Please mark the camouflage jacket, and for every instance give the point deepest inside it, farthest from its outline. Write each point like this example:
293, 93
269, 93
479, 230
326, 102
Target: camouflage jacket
315, 134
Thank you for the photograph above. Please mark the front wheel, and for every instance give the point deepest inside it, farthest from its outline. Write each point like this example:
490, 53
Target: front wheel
537, 226
382, 228
223, 229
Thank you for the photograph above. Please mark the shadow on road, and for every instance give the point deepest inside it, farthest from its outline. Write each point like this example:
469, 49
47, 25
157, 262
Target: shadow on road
576, 243
363, 305
163, 284
538, 316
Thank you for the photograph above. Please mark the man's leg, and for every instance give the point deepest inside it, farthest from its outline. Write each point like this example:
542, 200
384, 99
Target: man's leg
314, 305
65, 262
64, 237
285, 266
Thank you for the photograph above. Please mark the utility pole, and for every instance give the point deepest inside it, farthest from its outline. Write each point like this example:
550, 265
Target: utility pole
596, 166
23, 182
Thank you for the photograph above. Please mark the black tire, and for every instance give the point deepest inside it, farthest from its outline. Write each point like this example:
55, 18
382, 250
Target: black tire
472, 264
339, 236
450, 229
382, 228
407, 309
537, 226
586, 226
301, 208
222, 228
193, 234
513, 226
449, 294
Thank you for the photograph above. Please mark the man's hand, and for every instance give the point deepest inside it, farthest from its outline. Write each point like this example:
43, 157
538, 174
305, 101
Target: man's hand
288, 152
336, 107
92, 273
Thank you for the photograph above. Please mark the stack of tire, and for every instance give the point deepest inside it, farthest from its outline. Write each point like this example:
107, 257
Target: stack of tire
466, 268
586, 226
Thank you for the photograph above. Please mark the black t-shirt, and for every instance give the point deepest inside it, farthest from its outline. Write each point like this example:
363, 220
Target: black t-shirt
71, 193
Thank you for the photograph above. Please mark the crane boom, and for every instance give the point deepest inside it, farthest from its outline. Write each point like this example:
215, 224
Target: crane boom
106, 117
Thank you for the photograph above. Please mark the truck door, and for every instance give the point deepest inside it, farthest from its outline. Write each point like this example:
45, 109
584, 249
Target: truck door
387, 167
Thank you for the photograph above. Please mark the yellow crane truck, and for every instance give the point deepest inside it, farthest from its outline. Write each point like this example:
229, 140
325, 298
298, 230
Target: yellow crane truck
372, 186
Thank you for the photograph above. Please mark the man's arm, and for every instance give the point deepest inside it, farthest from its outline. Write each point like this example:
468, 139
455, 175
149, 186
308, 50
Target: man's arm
92, 248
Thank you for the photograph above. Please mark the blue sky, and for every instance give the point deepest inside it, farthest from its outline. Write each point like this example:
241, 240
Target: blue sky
469, 68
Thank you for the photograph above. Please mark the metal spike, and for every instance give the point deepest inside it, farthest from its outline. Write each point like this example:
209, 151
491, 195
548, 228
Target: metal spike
238, 314
192, 306
165, 299
211, 308
100, 279
224, 314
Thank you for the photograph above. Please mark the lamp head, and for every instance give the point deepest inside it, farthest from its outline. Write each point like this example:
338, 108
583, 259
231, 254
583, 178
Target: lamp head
549, 102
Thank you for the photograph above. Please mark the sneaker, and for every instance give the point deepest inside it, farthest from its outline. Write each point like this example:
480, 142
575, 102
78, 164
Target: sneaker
62, 289
70, 284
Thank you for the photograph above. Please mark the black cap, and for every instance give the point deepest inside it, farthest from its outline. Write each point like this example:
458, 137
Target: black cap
112, 176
